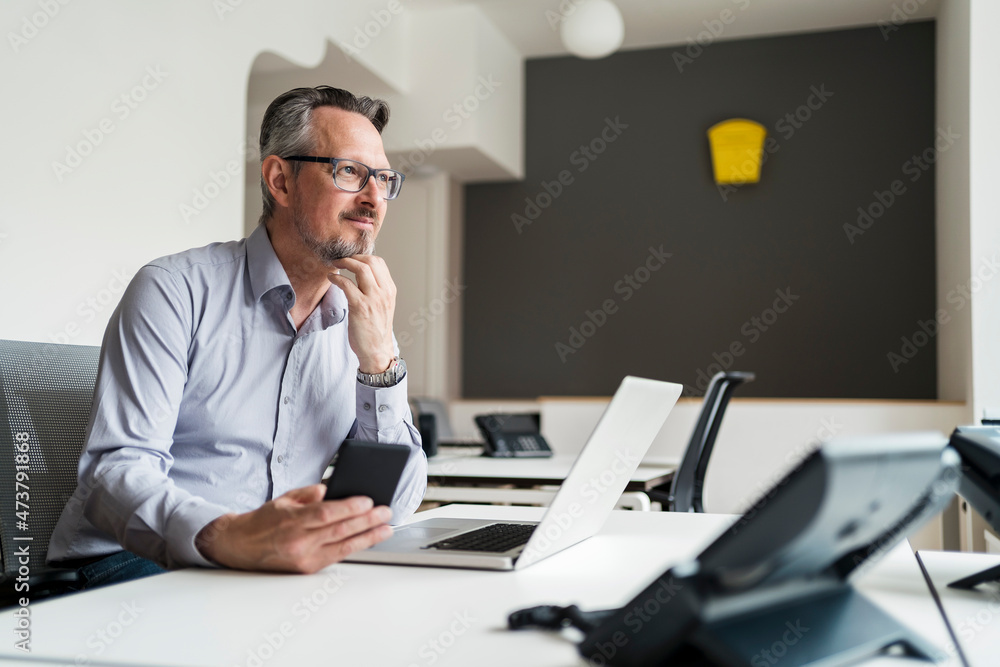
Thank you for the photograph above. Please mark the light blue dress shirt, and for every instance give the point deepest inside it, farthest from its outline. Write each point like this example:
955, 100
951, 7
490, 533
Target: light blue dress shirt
208, 401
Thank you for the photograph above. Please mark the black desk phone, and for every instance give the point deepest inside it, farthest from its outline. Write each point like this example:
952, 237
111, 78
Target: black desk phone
510, 435
979, 447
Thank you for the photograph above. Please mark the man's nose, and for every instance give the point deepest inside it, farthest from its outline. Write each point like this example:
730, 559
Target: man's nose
371, 192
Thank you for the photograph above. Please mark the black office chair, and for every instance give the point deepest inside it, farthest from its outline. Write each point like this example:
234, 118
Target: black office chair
685, 489
45, 397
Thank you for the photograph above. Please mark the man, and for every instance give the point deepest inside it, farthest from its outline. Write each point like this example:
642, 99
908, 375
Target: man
231, 374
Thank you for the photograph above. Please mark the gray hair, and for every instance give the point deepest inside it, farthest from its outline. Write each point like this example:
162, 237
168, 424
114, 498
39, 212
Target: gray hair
287, 125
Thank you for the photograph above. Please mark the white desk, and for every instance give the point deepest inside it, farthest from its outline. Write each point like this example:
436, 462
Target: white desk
461, 475
974, 615
354, 614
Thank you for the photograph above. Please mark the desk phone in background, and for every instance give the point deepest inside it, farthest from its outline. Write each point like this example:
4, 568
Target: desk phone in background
979, 447
509, 435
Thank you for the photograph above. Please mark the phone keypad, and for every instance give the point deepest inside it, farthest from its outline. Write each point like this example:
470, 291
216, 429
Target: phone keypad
527, 443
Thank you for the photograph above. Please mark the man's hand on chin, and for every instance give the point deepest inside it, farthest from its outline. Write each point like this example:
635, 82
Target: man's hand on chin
297, 532
371, 303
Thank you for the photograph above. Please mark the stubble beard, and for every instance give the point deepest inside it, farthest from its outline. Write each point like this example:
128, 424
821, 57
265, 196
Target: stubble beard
331, 250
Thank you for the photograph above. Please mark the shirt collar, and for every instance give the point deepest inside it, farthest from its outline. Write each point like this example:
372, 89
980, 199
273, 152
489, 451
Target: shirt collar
267, 273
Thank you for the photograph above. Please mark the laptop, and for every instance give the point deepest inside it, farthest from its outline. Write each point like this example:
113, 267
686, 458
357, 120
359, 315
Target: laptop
584, 501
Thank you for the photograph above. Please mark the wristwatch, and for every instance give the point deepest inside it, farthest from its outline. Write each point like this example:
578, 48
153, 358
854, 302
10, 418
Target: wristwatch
388, 378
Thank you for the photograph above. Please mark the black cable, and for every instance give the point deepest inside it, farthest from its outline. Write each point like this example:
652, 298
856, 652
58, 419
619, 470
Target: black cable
553, 617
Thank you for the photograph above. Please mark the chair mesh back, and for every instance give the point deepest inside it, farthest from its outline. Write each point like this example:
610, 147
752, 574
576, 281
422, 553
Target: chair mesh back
45, 396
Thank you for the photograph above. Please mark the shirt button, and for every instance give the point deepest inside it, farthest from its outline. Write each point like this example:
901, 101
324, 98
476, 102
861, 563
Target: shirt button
382, 408
280, 459
286, 400
368, 406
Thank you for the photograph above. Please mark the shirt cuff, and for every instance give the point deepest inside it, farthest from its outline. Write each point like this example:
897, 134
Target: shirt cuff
381, 408
185, 523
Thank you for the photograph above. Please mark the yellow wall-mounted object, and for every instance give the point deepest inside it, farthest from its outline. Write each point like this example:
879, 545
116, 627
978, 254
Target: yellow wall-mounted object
737, 148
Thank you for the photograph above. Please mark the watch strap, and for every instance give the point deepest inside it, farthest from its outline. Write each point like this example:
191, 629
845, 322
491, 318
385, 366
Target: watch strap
388, 378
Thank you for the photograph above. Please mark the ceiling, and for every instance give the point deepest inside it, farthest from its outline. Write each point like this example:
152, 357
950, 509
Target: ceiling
533, 25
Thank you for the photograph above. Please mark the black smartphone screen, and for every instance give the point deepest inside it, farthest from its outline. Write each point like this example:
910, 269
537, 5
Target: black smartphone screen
368, 469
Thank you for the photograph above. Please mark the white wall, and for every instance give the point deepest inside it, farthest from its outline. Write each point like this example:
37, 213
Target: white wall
463, 113
968, 226
163, 169
984, 227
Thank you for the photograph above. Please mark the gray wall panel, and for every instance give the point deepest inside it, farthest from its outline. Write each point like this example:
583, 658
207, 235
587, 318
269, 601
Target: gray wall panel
652, 186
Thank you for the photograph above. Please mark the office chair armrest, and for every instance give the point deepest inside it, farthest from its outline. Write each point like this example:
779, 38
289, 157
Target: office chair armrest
41, 584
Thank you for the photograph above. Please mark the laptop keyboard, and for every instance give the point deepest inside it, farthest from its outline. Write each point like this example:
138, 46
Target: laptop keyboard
495, 538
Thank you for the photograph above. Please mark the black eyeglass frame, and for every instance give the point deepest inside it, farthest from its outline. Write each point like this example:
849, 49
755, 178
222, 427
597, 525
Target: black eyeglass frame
371, 171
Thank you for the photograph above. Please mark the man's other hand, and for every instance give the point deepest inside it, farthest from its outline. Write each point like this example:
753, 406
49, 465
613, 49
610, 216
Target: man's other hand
297, 532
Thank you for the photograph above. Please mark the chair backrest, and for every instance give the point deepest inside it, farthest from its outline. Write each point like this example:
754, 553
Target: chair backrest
689, 479
46, 392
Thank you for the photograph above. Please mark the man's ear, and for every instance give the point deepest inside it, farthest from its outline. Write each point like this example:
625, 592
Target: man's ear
277, 175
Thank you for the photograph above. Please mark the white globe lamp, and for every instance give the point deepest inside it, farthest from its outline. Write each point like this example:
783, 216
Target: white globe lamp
593, 29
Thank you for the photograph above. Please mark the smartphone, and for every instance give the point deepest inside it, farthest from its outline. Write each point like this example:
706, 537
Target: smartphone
368, 469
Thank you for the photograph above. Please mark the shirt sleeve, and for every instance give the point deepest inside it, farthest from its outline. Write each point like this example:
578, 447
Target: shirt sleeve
126, 460
384, 416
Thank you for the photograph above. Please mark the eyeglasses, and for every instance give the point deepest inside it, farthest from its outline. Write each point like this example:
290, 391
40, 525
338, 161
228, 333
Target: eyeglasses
352, 176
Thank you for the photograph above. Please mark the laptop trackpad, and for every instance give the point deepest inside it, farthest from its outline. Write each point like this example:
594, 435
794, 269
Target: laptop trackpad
415, 535
424, 533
